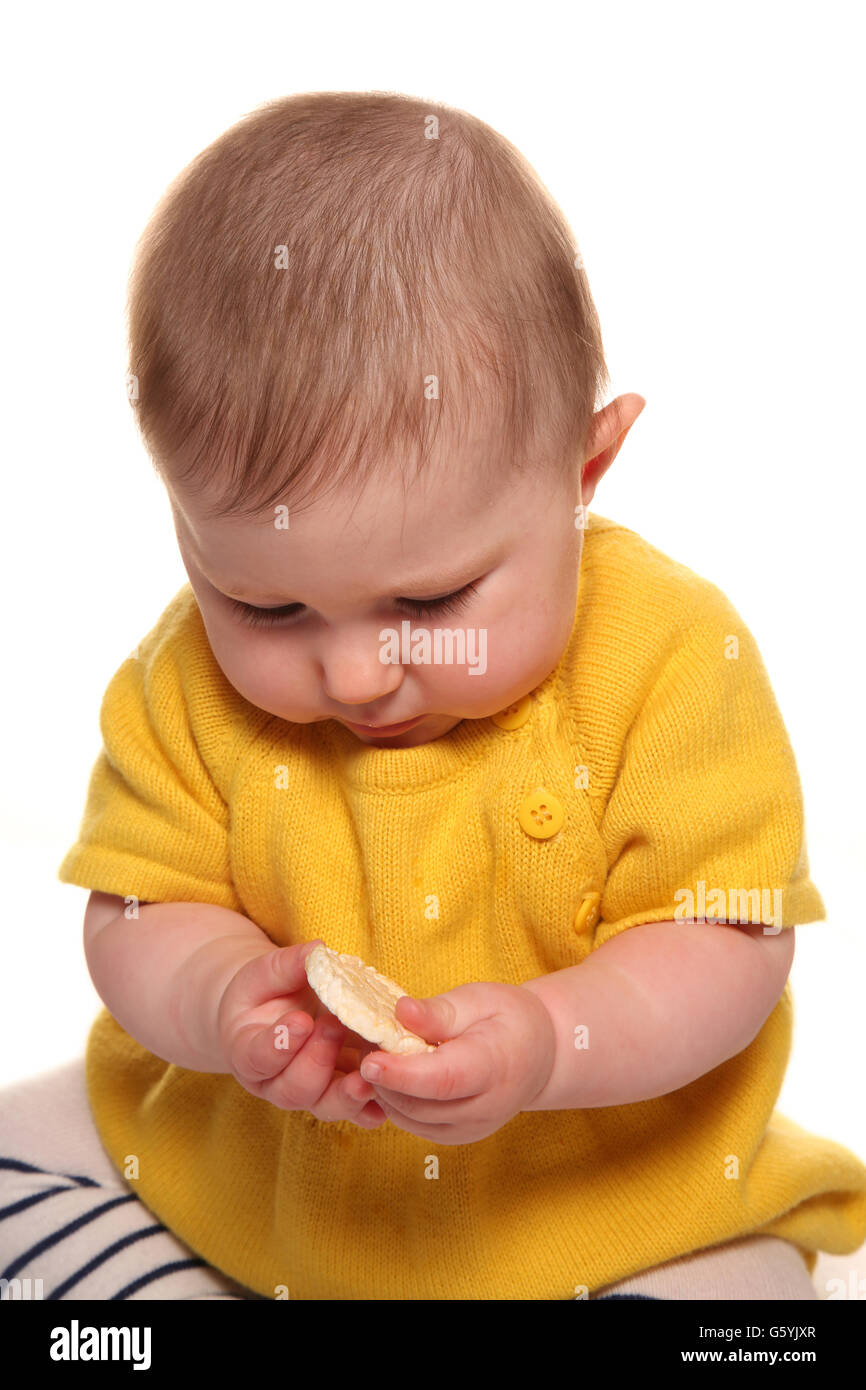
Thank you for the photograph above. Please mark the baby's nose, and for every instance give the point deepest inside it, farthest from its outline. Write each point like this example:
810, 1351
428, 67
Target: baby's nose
355, 680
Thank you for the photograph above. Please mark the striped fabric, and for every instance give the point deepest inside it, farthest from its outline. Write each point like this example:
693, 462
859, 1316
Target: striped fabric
70, 1226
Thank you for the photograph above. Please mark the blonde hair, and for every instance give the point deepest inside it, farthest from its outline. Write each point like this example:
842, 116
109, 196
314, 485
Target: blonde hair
405, 259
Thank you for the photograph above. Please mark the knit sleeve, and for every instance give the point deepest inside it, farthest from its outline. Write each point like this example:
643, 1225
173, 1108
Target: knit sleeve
154, 823
705, 817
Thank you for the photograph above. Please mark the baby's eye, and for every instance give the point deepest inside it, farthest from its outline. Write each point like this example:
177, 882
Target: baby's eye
419, 608
449, 603
263, 617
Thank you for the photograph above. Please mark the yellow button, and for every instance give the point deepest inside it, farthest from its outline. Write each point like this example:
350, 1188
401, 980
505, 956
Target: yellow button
540, 814
514, 715
588, 913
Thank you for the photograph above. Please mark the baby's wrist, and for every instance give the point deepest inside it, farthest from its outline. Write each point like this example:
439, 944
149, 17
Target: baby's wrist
203, 980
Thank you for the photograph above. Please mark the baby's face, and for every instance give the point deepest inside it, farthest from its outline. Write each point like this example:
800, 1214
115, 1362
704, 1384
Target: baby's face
350, 571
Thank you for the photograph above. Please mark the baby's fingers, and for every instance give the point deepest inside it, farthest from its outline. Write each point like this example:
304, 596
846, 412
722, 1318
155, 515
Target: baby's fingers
350, 1098
272, 975
311, 1079
258, 1054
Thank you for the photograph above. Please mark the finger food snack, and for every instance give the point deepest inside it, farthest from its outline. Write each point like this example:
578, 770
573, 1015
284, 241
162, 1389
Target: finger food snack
362, 999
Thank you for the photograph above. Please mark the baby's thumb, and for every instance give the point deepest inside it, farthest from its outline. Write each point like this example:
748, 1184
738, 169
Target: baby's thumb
434, 1019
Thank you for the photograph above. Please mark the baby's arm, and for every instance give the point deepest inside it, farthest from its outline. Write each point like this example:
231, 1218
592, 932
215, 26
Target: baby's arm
162, 974
662, 1004
203, 987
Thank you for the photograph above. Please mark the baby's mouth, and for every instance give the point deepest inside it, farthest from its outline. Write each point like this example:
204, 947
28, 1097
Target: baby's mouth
383, 730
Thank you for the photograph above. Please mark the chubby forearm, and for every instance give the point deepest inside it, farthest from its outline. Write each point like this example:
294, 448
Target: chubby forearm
656, 1007
162, 974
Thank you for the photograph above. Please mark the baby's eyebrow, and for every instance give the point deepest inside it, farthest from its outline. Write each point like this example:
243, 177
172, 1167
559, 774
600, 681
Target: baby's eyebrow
439, 582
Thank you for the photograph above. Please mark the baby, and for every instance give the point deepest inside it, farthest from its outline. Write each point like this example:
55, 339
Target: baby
417, 703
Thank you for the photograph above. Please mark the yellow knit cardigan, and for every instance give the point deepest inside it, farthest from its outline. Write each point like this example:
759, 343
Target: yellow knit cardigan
670, 764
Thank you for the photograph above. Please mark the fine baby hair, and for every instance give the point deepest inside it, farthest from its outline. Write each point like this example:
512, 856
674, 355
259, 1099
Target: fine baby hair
329, 269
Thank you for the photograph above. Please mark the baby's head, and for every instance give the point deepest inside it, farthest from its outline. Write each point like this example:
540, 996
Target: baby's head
368, 371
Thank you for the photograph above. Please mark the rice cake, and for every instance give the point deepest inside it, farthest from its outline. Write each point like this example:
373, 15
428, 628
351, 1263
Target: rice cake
362, 999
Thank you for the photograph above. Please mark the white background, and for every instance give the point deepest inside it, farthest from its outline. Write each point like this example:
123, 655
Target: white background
709, 160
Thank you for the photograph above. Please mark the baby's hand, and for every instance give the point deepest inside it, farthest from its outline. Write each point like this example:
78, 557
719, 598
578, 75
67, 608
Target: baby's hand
498, 1046
284, 1046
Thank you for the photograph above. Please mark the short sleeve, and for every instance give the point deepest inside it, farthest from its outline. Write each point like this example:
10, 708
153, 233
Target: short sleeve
705, 816
154, 823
